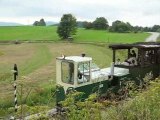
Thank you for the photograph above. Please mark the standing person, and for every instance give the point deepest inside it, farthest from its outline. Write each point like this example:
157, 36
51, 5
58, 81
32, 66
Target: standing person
71, 72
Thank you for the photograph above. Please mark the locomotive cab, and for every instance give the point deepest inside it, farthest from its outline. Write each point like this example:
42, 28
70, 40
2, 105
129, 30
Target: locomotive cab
72, 71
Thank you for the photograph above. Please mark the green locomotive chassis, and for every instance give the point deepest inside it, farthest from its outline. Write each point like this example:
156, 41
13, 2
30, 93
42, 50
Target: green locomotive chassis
136, 74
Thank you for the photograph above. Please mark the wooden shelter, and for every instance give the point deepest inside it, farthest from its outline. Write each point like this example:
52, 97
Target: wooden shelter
148, 58
145, 49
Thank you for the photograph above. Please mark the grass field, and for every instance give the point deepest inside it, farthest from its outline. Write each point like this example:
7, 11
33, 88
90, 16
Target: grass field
36, 61
104, 36
28, 33
49, 33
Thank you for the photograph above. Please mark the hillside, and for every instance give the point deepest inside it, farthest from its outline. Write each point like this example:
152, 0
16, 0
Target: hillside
31, 33
10, 24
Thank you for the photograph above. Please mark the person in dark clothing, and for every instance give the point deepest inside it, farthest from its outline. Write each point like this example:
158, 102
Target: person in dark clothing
133, 53
71, 72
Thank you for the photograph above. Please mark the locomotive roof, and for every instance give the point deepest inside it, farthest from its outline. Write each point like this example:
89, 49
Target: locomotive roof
141, 45
75, 58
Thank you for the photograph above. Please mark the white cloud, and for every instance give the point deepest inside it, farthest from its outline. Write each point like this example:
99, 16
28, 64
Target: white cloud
137, 12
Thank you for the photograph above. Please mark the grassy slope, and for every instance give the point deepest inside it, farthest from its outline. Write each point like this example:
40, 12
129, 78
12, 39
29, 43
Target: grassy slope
49, 33
104, 36
143, 107
28, 33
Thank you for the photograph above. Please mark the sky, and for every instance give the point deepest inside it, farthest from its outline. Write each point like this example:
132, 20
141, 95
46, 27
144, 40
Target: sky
136, 12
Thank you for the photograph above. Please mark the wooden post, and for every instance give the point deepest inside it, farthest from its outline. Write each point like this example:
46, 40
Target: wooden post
155, 56
114, 55
139, 57
15, 86
142, 53
128, 53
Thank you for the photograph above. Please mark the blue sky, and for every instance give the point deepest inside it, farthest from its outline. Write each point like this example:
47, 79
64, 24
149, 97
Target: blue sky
137, 12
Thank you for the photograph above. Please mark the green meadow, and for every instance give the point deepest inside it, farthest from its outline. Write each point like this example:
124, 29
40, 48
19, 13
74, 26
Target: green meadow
108, 37
30, 33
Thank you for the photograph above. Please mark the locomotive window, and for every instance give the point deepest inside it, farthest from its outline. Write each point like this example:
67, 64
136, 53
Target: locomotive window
67, 72
149, 57
83, 72
94, 67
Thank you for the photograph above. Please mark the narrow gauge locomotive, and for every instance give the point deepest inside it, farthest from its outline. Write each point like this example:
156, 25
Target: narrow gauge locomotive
81, 74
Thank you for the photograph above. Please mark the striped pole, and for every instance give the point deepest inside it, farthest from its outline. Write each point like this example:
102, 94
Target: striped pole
15, 86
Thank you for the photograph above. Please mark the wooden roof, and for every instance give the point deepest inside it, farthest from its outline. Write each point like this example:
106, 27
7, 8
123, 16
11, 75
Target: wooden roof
141, 45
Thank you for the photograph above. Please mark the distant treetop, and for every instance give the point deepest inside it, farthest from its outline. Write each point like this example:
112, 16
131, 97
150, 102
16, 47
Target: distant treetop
100, 23
39, 23
120, 26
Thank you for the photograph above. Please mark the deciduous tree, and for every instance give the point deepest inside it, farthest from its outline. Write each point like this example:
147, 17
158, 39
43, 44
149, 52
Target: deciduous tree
67, 26
42, 22
121, 27
88, 25
39, 23
155, 28
100, 23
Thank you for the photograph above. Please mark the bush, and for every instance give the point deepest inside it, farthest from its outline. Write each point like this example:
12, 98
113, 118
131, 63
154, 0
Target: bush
78, 110
143, 107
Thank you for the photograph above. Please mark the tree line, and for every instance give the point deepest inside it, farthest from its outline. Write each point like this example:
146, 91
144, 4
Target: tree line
117, 26
68, 26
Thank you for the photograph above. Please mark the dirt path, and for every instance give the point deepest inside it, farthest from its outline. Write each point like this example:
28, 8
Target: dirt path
153, 37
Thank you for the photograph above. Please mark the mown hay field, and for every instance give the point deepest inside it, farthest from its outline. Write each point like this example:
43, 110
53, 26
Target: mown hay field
36, 66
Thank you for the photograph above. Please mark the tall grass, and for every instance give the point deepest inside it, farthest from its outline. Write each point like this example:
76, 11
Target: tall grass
41, 57
143, 107
29, 94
